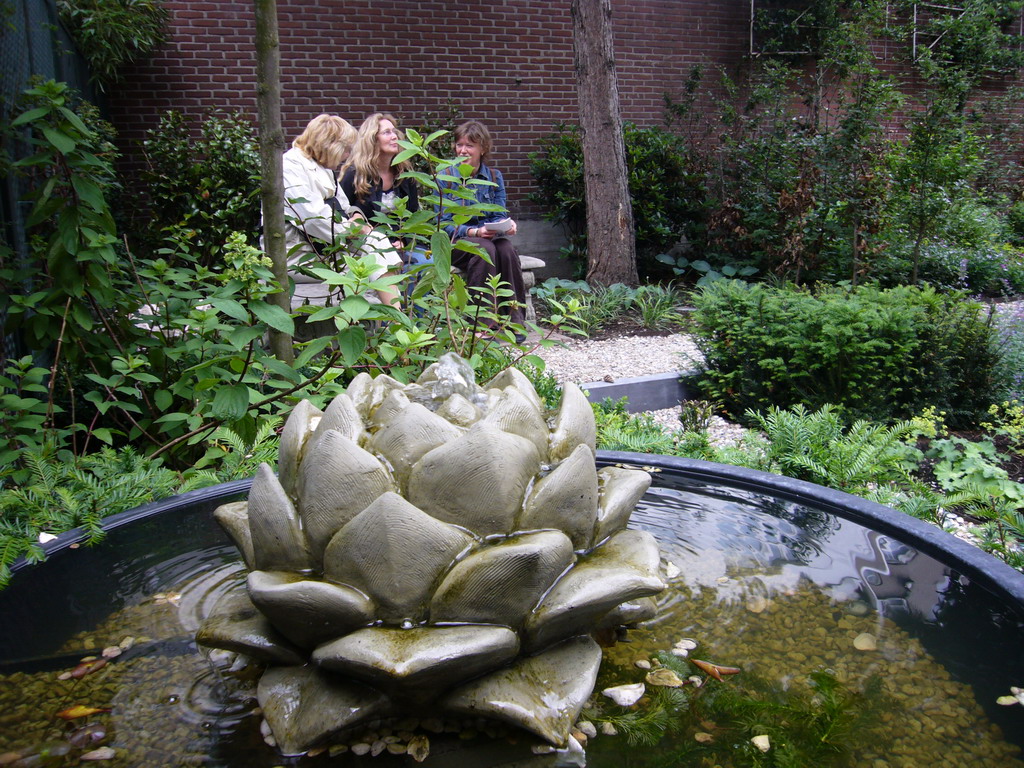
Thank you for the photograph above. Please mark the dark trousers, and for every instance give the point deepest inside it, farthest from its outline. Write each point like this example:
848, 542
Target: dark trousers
505, 262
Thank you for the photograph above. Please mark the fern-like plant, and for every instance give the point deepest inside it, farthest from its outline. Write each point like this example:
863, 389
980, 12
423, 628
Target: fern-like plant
818, 447
60, 495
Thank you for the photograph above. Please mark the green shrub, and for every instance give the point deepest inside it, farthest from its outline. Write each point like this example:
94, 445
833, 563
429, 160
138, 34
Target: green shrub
112, 33
666, 189
200, 189
877, 354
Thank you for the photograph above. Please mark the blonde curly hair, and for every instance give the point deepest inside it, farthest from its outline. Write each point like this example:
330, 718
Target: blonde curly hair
326, 139
366, 154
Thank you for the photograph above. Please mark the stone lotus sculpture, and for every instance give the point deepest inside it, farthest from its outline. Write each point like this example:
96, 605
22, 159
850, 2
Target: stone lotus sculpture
429, 548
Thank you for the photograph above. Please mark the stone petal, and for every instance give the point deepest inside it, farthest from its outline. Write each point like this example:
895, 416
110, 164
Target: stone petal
277, 539
358, 391
236, 625
306, 611
234, 519
431, 659
341, 416
543, 694
294, 438
406, 439
381, 387
621, 489
516, 414
501, 584
337, 481
303, 706
477, 481
574, 424
390, 407
624, 568
459, 411
566, 499
513, 377
631, 612
395, 553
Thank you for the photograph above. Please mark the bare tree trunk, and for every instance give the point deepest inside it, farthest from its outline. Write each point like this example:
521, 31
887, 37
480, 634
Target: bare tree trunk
268, 98
611, 246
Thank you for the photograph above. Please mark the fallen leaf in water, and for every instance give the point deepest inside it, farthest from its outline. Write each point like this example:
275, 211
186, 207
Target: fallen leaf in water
761, 742
111, 652
80, 710
715, 670
87, 734
703, 738
1006, 701
87, 668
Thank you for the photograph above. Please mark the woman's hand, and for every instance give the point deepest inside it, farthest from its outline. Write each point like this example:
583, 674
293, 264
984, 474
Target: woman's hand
483, 232
514, 228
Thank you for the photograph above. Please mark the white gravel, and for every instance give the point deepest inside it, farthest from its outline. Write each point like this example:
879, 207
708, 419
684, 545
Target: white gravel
583, 361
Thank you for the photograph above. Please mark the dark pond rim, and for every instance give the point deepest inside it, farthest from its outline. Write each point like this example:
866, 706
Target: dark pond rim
988, 571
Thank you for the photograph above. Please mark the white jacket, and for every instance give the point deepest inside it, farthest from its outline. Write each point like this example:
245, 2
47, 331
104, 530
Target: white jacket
308, 186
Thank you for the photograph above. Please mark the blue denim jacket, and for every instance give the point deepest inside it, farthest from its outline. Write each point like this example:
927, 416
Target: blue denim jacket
485, 193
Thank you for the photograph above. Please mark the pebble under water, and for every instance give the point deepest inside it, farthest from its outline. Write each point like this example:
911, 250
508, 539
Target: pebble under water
774, 588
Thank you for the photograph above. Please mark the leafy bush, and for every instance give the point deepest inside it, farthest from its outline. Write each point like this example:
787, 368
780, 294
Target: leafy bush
112, 33
819, 447
1009, 349
666, 189
181, 351
989, 269
876, 354
199, 189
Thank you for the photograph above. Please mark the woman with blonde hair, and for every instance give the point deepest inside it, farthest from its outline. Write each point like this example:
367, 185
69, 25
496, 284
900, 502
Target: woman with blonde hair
317, 213
372, 184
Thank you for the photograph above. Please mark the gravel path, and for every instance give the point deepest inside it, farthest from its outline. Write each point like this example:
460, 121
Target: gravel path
583, 361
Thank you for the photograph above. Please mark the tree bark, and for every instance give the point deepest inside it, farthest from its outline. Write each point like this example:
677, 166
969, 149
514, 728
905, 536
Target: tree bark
611, 246
268, 100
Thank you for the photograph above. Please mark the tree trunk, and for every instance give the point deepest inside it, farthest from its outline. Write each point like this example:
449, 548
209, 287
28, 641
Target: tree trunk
611, 246
268, 99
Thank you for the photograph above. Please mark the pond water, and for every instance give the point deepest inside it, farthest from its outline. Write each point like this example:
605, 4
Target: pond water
778, 589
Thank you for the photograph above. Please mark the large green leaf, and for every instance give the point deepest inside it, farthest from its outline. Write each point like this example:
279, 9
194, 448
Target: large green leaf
274, 316
89, 192
60, 141
351, 343
230, 402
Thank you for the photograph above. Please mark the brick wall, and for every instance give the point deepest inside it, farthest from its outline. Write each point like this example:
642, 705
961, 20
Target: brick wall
510, 65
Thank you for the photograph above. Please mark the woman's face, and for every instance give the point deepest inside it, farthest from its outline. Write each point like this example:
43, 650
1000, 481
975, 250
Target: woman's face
387, 138
470, 150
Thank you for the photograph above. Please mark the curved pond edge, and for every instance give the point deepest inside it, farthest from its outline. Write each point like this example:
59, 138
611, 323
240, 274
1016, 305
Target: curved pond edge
988, 571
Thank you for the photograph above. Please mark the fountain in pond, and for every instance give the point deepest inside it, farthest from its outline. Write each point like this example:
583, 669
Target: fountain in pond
434, 548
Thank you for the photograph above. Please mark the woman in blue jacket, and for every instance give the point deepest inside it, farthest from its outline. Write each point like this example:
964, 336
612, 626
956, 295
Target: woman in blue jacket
489, 231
